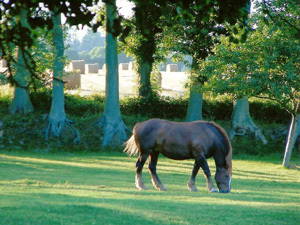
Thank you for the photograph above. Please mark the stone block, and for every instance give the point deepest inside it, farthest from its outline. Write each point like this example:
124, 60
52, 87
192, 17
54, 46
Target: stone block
123, 66
92, 68
77, 66
73, 80
172, 68
3, 63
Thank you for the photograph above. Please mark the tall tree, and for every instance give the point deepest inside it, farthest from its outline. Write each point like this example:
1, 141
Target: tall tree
21, 102
13, 33
144, 34
114, 129
195, 25
267, 66
284, 15
57, 119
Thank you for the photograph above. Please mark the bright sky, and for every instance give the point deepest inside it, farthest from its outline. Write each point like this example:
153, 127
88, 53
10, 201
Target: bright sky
124, 8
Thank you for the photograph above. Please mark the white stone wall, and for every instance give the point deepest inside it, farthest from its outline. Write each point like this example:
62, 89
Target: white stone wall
172, 83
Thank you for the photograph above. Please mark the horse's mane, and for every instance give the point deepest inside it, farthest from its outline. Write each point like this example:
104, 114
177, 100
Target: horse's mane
228, 158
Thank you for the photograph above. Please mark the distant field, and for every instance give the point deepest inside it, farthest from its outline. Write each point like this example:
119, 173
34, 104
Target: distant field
92, 188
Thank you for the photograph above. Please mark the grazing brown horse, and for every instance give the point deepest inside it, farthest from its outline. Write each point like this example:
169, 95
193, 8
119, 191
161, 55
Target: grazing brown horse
197, 140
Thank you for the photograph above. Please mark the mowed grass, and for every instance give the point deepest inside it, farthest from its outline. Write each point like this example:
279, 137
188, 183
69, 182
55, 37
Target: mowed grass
90, 188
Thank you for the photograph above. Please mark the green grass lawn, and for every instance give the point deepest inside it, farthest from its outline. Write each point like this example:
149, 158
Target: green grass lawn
90, 188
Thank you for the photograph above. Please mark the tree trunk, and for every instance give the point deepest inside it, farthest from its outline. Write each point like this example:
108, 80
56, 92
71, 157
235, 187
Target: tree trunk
194, 110
242, 122
144, 79
57, 117
114, 129
291, 140
21, 102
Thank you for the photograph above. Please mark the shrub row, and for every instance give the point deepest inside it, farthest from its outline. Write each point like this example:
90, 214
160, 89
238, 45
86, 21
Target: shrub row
162, 107
213, 109
26, 132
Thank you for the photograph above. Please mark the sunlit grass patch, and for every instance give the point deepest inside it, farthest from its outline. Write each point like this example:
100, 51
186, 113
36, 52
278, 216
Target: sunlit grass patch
93, 188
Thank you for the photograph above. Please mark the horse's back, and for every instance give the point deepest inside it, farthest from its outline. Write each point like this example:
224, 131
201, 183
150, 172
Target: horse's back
146, 132
179, 140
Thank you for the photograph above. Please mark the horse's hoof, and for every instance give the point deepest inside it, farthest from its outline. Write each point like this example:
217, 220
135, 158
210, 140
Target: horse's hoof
192, 188
162, 188
224, 191
159, 187
141, 187
213, 190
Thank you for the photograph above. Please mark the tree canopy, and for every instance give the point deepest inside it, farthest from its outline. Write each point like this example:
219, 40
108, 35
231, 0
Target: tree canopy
22, 33
266, 65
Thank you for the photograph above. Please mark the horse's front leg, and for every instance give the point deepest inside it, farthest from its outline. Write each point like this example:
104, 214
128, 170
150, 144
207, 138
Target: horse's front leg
201, 161
139, 167
152, 168
191, 184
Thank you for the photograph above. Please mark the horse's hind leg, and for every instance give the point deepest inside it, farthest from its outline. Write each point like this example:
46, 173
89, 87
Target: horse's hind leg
139, 167
152, 168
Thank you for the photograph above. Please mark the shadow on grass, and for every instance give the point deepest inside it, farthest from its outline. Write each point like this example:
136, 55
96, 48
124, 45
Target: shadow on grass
73, 209
100, 190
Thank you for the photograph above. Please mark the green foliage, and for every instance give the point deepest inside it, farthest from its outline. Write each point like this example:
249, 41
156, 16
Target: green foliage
281, 13
90, 48
84, 106
195, 26
75, 105
266, 65
144, 31
154, 107
20, 21
26, 131
252, 146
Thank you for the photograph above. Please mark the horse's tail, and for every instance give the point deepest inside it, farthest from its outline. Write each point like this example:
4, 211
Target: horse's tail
131, 147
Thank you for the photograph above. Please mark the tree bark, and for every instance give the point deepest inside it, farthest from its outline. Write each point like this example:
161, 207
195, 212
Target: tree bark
144, 79
57, 119
194, 110
291, 140
242, 122
21, 102
114, 129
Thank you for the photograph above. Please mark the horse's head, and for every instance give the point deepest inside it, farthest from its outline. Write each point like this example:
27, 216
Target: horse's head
223, 179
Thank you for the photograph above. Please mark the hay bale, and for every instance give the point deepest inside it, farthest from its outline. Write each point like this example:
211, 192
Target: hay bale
73, 80
78, 66
123, 66
131, 66
172, 68
92, 68
3, 63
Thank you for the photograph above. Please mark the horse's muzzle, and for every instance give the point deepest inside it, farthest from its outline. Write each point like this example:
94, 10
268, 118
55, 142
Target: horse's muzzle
224, 191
